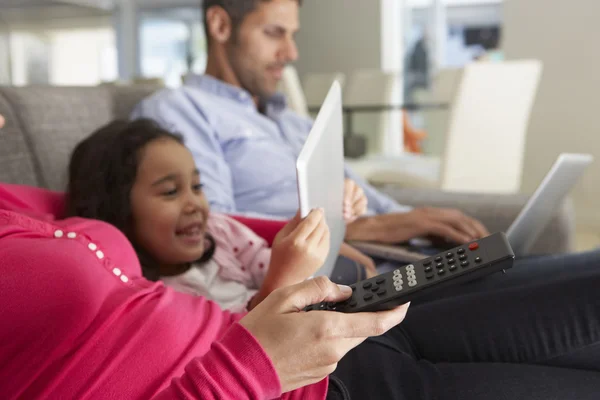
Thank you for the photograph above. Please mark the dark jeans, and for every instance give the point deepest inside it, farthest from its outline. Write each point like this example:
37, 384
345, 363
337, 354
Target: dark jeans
532, 333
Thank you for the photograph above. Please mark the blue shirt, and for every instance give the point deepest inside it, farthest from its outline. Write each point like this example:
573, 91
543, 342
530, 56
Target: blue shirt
247, 160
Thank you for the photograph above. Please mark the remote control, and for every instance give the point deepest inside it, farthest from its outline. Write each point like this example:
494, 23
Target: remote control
460, 264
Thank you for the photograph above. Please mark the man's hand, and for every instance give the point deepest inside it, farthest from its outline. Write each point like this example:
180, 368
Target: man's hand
448, 224
355, 201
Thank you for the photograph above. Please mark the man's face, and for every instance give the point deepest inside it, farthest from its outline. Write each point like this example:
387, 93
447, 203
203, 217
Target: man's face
263, 45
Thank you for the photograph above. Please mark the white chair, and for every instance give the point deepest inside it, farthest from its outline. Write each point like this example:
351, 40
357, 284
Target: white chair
377, 88
485, 140
291, 88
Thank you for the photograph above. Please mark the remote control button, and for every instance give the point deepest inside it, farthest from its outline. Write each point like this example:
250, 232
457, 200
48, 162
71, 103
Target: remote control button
426, 263
473, 246
449, 255
381, 292
412, 283
462, 258
478, 259
451, 261
438, 259
379, 281
460, 251
428, 269
398, 288
367, 285
452, 267
410, 267
441, 271
368, 296
322, 306
429, 276
375, 288
353, 303
464, 264
440, 265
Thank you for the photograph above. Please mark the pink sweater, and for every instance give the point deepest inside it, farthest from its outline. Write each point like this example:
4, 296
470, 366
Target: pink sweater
79, 321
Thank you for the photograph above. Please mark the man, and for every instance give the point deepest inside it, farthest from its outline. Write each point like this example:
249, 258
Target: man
246, 141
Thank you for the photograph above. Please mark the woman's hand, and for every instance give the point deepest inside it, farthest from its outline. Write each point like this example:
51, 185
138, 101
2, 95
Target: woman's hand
305, 347
355, 201
298, 251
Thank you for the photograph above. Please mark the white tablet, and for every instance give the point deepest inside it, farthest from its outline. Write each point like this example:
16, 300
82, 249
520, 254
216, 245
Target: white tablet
320, 172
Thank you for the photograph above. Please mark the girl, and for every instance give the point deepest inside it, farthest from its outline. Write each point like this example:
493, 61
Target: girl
142, 179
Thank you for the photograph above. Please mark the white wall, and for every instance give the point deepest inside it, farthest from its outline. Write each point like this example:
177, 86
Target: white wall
339, 35
566, 116
349, 35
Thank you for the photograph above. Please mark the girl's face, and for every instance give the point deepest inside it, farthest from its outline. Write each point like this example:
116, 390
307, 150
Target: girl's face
168, 205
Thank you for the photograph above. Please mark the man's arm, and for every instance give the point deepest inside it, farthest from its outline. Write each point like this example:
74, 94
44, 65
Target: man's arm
177, 113
378, 202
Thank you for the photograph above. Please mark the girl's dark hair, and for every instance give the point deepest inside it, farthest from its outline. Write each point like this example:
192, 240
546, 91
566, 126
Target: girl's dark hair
102, 171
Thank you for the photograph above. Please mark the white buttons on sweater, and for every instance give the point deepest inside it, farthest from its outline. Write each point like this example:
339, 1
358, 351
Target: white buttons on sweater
93, 247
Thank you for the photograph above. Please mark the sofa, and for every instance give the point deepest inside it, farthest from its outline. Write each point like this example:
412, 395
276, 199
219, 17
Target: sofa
43, 124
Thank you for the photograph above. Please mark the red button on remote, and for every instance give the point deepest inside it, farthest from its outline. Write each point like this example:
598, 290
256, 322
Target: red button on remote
473, 246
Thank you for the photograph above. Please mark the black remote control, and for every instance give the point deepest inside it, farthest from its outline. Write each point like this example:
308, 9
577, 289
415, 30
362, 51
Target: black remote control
460, 264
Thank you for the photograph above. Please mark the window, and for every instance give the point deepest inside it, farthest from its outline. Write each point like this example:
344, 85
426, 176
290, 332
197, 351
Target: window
172, 43
81, 56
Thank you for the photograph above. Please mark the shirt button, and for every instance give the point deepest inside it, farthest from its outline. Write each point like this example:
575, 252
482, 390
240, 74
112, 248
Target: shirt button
124, 279
71, 235
92, 247
117, 272
58, 233
100, 254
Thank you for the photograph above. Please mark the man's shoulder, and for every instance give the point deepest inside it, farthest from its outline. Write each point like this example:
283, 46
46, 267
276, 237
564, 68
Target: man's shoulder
174, 97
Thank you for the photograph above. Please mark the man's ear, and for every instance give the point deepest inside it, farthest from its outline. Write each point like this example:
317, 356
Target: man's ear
219, 24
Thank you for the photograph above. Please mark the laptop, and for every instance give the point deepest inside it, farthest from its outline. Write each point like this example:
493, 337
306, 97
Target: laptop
525, 229
320, 173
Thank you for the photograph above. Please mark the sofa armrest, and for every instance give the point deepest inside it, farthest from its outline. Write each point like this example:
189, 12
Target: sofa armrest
496, 212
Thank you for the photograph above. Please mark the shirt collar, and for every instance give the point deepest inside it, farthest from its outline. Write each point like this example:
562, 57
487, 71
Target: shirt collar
275, 104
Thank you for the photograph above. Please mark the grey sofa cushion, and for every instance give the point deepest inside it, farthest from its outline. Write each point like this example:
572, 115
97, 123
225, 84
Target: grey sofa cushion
54, 120
16, 164
125, 98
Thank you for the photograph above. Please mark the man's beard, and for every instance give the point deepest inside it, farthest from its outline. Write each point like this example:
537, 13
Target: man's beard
251, 80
